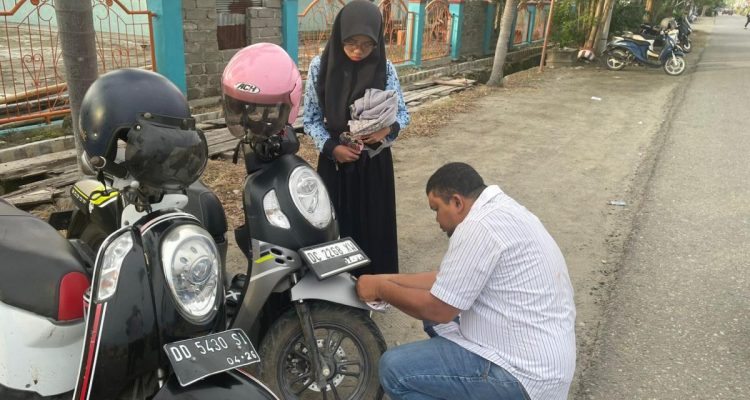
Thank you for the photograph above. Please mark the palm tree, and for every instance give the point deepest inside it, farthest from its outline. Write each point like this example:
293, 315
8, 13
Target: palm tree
501, 49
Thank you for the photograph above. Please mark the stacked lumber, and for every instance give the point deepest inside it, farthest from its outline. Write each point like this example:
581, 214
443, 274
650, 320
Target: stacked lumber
431, 90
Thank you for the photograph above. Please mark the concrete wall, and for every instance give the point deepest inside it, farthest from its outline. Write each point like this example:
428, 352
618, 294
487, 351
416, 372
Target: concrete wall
204, 62
264, 23
203, 59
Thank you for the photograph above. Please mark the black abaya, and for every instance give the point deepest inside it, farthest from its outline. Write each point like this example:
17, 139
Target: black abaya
364, 197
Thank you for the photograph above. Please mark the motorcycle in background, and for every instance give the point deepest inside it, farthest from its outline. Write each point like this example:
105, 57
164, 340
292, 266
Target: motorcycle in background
297, 300
145, 319
679, 29
622, 51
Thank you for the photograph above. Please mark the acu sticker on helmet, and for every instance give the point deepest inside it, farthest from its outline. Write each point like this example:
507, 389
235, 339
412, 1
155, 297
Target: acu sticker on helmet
247, 87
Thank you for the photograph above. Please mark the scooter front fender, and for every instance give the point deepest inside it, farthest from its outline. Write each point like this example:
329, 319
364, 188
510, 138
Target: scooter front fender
230, 385
340, 289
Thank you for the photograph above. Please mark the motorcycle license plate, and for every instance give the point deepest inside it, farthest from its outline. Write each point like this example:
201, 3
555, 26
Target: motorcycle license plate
332, 258
197, 358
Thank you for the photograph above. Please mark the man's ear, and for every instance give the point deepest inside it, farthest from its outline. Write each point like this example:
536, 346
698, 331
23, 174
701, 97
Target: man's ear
458, 201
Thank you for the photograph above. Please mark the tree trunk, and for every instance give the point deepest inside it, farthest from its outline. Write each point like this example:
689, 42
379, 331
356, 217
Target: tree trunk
590, 14
595, 26
501, 49
648, 16
75, 22
601, 37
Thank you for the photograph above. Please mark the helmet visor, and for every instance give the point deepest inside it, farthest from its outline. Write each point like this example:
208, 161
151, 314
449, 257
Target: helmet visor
251, 119
165, 152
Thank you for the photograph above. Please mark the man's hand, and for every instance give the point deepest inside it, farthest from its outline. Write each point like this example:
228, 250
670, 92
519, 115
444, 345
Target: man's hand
345, 154
376, 136
368, 287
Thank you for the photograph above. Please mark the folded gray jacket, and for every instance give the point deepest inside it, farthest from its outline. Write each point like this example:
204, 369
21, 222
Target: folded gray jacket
374, 111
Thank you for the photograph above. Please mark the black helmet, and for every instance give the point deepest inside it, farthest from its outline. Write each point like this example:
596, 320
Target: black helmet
150, 113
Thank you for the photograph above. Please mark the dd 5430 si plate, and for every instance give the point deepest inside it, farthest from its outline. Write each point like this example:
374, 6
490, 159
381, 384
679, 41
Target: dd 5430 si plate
197, 358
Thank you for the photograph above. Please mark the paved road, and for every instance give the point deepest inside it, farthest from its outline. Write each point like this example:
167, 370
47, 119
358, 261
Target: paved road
678, 324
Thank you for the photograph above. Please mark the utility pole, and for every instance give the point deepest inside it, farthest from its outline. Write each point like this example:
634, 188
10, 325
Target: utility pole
75, 21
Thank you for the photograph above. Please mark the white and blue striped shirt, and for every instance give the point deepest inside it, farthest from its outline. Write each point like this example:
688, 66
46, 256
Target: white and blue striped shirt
509, 278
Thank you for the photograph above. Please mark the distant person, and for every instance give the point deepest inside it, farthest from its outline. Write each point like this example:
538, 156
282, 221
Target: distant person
748, 19
505, 279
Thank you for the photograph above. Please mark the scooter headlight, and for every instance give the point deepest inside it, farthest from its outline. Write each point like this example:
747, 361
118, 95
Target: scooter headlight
310, 196
191, 265
111, 263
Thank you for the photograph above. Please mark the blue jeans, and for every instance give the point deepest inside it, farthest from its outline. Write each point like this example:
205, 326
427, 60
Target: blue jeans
437, 368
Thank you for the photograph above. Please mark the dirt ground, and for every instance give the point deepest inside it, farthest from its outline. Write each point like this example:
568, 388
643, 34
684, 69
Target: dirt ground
564, 143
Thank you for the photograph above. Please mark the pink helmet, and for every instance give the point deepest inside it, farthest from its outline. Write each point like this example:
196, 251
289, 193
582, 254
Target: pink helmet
262, 91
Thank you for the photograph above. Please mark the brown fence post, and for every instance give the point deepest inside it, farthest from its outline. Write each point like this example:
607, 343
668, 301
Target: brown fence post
75, 22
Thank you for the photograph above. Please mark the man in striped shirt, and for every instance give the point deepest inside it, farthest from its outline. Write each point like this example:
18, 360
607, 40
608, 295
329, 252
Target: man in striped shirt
505, 279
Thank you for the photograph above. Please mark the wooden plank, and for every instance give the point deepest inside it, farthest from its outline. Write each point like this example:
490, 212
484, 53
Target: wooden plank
37, 165
418, 94
218, 136
48, 103
221, 148
31, 199
69, 176
219, 141
416, 86
43, 91
463, 82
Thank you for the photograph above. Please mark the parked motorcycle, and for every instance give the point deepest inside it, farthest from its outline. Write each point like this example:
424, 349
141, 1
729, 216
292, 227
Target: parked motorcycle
297, 300
145, 319
680, 29
622, 51
685, 29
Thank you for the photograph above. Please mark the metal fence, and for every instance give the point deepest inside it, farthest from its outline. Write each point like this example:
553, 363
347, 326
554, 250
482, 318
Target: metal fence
436, 39
32, 74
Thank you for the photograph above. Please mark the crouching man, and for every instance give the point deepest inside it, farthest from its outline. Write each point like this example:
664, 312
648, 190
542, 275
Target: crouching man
501, 303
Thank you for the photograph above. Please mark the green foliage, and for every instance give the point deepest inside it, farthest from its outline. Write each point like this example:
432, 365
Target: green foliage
567, 29
626, 16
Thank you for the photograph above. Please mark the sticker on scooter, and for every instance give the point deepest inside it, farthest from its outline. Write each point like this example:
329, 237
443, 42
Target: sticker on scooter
197, 358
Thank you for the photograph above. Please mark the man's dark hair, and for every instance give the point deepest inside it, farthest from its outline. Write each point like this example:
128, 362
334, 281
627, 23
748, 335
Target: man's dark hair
455, 178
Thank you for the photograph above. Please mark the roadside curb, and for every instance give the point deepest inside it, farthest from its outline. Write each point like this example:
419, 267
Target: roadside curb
36, 149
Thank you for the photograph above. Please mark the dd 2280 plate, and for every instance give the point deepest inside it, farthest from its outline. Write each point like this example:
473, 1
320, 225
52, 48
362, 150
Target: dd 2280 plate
197, 358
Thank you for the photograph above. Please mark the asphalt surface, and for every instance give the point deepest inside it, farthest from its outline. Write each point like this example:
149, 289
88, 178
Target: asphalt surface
677, 325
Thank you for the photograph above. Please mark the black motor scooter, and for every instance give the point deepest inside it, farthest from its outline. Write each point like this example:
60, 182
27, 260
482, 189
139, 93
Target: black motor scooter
151, 325
298, 301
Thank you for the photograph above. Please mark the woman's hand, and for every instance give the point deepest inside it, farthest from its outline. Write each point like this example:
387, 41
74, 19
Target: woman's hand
376, 136
345, 154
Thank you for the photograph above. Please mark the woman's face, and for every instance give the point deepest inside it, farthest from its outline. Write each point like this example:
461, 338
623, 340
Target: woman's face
358, 47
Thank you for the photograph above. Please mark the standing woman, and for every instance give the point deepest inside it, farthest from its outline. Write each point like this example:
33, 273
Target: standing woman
361, 185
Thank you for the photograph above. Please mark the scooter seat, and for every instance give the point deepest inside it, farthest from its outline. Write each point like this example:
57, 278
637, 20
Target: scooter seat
40, 271
639, 41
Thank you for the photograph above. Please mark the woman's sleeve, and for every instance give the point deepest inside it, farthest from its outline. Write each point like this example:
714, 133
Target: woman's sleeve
312, 117
402, 116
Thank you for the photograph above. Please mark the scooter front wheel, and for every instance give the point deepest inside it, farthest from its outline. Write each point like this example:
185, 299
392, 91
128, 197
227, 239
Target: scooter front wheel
349, 343
615, 60
687, 46
674, 65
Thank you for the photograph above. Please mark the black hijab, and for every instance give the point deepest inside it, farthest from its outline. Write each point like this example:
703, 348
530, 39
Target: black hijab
341, 80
